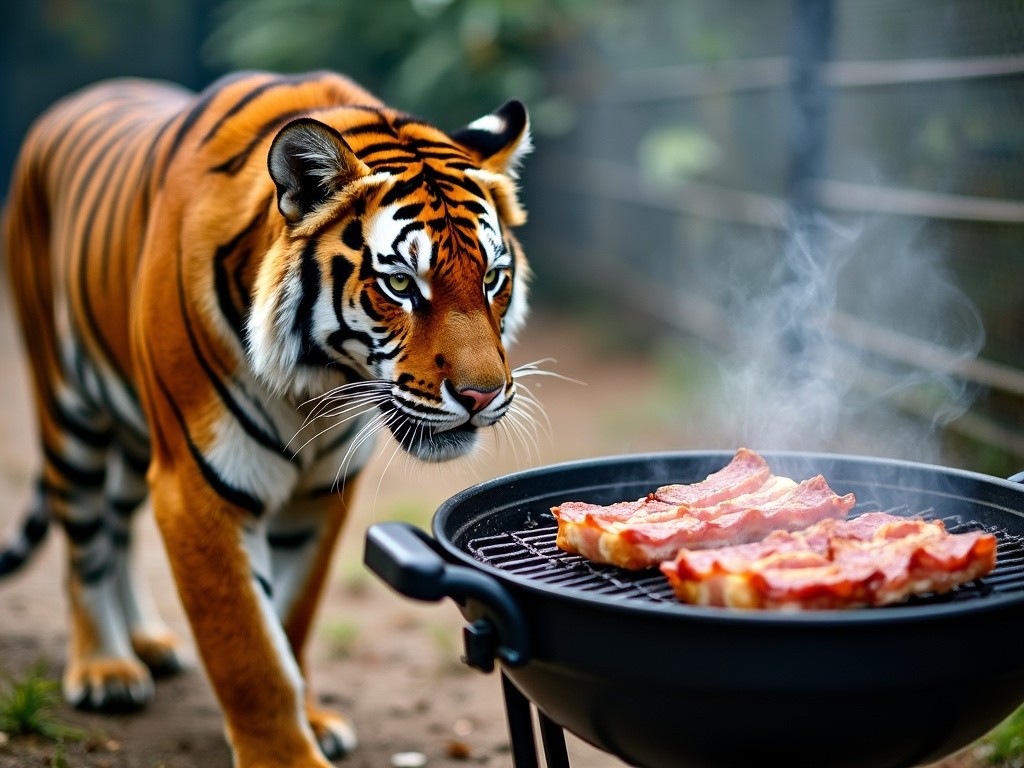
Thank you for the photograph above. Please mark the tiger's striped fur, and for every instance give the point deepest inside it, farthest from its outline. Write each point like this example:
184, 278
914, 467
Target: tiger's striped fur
226, 294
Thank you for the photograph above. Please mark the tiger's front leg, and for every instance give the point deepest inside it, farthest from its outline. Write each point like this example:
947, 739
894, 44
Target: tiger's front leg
301, 540
220, 560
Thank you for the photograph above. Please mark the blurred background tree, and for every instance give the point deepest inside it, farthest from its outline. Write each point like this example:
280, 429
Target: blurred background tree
672, 138
446, 60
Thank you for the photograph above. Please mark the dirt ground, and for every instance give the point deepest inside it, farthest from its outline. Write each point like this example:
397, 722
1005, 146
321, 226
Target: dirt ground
390, 663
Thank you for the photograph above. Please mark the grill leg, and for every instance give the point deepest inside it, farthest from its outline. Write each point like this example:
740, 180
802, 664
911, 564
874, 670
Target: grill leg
520, 726
553, 738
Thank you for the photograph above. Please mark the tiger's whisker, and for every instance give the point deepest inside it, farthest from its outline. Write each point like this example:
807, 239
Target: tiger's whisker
338, 410
372, 384
328, 428
387, 466
525, 401
527, 437
370, 429
531, 369
347, 392
351, 405
353, 411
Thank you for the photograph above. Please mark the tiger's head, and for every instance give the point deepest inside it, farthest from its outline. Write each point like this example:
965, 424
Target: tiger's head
395, 281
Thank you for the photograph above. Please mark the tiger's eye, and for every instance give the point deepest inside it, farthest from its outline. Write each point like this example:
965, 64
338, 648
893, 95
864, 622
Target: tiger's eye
399, 283
491, 277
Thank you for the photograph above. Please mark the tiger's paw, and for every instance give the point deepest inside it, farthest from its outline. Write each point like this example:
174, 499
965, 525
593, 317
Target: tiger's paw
160, 650
333, 731
107, 684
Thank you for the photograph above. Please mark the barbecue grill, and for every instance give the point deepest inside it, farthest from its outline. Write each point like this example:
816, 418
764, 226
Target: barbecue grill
613, 657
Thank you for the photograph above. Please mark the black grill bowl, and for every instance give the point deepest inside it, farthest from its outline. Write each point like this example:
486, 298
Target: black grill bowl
665, 685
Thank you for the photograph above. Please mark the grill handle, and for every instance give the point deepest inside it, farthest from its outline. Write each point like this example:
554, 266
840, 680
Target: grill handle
405, 558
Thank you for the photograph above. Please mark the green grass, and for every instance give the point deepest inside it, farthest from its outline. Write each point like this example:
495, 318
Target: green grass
1006, 742
28, 705
59, 759
340, 637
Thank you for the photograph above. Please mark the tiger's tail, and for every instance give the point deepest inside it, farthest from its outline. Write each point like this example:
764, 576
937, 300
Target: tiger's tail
29, 270
19, 549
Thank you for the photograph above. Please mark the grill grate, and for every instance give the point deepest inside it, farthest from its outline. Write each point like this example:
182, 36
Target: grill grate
532, 553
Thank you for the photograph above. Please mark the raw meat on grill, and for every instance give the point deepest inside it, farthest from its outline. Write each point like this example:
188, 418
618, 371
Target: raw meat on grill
740, 503
745, 473
875, 559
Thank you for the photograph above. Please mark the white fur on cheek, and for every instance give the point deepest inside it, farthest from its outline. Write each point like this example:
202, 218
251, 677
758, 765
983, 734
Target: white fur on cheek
274, 344
515, 317
497, 257
273, 352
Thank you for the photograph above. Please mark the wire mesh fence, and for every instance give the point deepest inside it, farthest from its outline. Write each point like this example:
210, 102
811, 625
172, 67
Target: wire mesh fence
896, 128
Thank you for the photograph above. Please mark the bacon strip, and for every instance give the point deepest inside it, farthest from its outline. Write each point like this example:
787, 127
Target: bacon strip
741, 502
578, 532
875, 559
745, 473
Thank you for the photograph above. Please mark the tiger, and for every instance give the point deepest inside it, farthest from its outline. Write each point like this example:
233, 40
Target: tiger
225, 297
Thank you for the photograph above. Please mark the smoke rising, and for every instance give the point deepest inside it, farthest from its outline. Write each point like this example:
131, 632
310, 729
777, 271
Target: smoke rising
828, 345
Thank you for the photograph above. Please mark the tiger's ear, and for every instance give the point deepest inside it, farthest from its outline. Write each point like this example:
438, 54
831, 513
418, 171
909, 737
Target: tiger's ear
310, 161
499, 140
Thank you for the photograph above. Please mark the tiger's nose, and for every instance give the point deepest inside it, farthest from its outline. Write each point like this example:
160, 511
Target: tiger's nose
473, 400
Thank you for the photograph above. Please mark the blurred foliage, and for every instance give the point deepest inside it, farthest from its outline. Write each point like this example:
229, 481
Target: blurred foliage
673, 154
449, 61
95, 28
1005, 745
